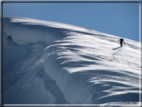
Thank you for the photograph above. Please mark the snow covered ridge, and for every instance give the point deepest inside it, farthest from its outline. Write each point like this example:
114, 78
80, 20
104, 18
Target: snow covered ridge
53, 63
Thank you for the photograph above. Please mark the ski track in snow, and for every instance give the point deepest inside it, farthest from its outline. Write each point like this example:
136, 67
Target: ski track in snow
54, 63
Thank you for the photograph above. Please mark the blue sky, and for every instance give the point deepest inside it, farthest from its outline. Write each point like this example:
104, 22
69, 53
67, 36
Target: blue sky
119, 19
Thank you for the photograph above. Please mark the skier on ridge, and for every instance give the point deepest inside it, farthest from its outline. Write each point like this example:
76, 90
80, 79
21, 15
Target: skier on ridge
121, 41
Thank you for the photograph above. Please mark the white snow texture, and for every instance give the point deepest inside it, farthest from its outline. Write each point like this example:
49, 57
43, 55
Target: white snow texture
53, 63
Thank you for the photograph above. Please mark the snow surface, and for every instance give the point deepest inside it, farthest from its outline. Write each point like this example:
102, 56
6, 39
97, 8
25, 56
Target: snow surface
53, 63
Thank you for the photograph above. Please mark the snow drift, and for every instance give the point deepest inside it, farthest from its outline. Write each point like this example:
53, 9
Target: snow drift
53, 63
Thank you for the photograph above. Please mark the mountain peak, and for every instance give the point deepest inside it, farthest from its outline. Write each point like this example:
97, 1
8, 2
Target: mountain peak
69, 64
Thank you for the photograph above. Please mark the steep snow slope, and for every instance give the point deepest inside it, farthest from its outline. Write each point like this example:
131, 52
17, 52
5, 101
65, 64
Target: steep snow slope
54, 63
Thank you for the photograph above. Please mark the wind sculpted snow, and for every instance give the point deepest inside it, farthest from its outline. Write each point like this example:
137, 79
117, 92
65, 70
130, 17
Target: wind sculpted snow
54, 63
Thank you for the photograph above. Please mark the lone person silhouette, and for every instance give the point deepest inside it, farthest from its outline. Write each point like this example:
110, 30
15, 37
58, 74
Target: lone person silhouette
121, 41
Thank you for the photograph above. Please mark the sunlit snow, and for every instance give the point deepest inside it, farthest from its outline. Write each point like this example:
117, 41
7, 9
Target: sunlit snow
53, 63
